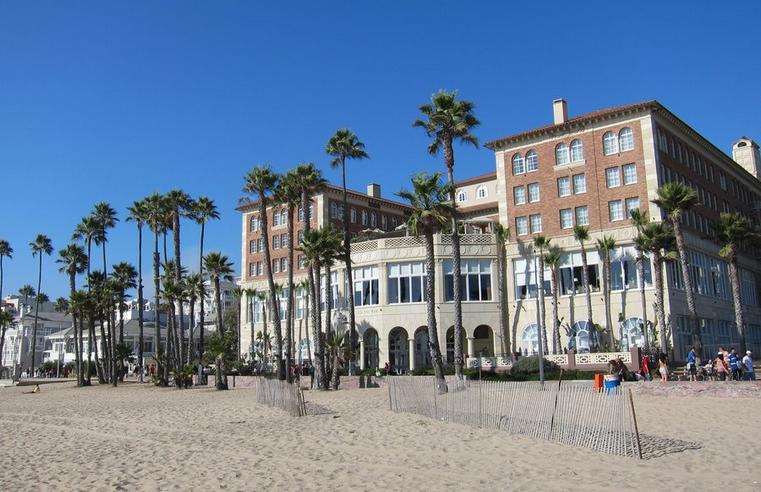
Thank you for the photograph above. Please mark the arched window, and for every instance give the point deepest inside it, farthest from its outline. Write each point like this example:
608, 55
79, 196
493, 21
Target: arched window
633, 333
579, 339
577, 151
462, 196
518, 164
626, 139
530, 340
532, 161
610, 143
561, 154
481, 192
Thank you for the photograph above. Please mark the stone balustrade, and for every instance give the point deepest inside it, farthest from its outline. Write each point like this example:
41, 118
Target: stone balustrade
593, 361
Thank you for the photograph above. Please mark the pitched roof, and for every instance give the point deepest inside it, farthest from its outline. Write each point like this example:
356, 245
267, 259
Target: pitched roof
477, 179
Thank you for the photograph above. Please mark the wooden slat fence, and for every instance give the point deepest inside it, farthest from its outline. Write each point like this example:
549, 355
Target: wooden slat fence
569, 413
280, 394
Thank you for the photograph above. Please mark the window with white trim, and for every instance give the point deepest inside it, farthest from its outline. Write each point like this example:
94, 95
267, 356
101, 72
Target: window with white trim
532, 161
519, 195
481, 192
276, 241
275, 218
406, 282
612, 177
259, 268
564, 186
373, 219
610, 143
366, 286
536, 223
577, 151
562, 156
261, 244
626, 139
254, 223
566, 218
475, 281
518, 164
615, 210
631, 204
533, 192
579, 183
521, 226
284, 240
353, 215
630, 173
462, 196
276, 265
284, 217
252, 246
364, 217
283, 264
582, 215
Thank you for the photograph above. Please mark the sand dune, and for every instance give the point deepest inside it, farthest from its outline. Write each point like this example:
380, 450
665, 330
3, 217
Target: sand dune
145, 438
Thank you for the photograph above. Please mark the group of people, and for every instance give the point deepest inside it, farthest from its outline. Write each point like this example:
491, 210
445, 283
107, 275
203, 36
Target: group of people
728, 366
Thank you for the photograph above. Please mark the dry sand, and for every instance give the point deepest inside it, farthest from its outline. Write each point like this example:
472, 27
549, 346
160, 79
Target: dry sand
145, 438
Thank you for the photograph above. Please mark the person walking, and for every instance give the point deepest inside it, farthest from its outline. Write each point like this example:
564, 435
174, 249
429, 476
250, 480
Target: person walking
663, 368
692, 368
645, 368
722, 369
749, 373
734, 364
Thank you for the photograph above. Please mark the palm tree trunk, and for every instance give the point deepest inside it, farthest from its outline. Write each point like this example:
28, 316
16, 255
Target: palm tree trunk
289, 305
606, 298
307, 296
140, 301
3, 327
555, 320
697, 340
219, 374
191, 329
734, 280
541, 332
77, 336
274, 308
114, 363
456, 267
36, 316
107, 342
319, 366
659, 307
201, 313
643, 300
347, 261
157, 311
264, 327
430, 305
91, 343
178, 279
328, 320
587, 288
504, 322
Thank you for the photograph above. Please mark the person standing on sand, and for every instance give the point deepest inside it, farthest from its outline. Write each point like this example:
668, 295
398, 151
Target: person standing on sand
663, 368
749, 374
692, 368
722, 369
734, 364
645, 368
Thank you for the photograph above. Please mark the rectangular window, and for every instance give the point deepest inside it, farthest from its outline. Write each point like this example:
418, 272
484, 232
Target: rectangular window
630, 173
254, 223
261, 244
353, 215
252, 246
615, 210
252, 269
259, 268
366, 286
300, 236
394, 222
373, 219
612, 177
582, 216
276, 265
283, 264
521, 226
333, 290
536, 223
564, 186
475, 280
406, 282
302, 262
631, 204
384, 222
566, 218
519, 195
276, 242
533, 192
301, 214
579, 183
284, 240
364, 217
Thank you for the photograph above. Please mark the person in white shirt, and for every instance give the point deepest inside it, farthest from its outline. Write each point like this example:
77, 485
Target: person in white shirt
749, 374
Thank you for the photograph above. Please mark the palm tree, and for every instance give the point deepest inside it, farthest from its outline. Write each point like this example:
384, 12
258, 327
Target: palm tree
261, 181
5, 251
173, 295
194, 290
139, 213
605, 247
432, 210
732, 232
336, 345
219, 267
502, 236
312, 247
5, 321
155, 212
657, 238
639, 220
448, 119
341, 146
674, 200
73, 261
250, 294
304, 286
581, 234
238, 295
552, 261
541, 243
105, 218
124, 278
331, 251
81, 307
180, 205
262, 298
203, 211
40, 246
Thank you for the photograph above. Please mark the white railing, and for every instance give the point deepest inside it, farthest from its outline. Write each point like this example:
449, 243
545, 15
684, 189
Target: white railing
594, 358
469, 239
561, 360
602, 357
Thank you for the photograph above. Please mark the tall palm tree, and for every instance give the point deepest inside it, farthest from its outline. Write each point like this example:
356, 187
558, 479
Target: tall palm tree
5, 251
674, 200
219, 267
89, 231
732, 232
581, 234
657, 238
105, 217
139, 213
125, 277
552, 261
639, 220
261, 296
261, 182
289, 193
40, 246
203, 211
250, 294
238, 295
432, 210
502, 236
80, 303
332, 250
96, 284
541, 243
73, 261
447, 119
312, 246
194, 290
155, 206
181, 205
304, 286
343, 145
605, 247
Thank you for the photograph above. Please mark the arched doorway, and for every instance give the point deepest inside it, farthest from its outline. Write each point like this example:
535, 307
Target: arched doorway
530, 340
633, 333
450, 345
580, 339
483, 341
422, 351
398, 350
371, 348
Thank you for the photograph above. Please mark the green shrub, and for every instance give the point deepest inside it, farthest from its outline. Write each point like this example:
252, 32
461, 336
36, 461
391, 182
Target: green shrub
528, 366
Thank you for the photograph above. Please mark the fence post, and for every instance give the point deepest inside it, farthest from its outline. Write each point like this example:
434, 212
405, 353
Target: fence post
636, 429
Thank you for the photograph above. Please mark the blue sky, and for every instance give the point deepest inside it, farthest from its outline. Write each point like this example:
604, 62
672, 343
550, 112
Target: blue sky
115, 100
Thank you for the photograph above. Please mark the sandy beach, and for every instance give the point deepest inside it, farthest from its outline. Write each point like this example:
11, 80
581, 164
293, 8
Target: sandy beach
146, 438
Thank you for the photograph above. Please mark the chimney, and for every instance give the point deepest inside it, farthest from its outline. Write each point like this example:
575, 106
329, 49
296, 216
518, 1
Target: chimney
373, 190
746, 153
560, 111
